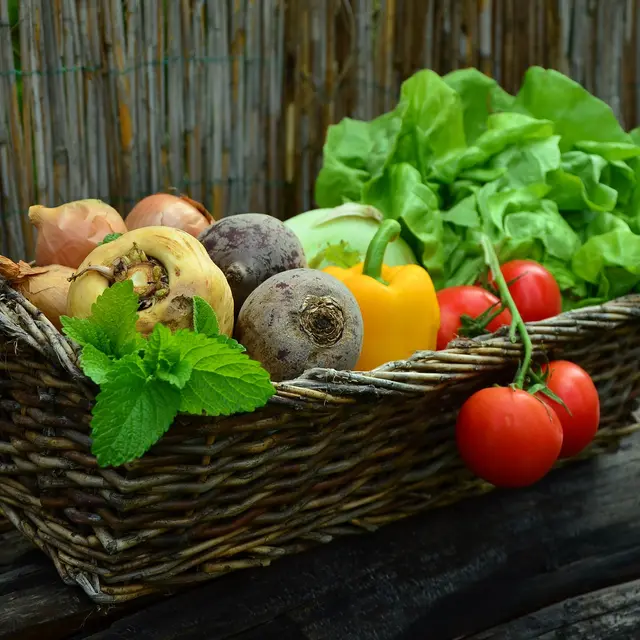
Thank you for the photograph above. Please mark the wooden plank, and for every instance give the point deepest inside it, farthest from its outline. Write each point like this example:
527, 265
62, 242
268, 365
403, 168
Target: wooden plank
575, 532
18, 610
31, 593
34, 602
612, 613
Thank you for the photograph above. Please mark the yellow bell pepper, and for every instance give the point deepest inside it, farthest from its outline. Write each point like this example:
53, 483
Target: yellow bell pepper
399, 306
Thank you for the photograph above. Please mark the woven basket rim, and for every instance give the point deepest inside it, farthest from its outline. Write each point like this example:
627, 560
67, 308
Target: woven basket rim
321, 385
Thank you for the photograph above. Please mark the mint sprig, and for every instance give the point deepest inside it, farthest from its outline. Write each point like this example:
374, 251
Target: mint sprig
144, 383
112, 326
204, 318
223, 379
132, 411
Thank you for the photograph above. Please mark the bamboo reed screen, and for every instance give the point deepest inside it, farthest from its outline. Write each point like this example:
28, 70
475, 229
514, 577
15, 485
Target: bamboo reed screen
228, 100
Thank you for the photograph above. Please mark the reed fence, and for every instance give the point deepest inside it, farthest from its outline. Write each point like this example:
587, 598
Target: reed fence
228, 101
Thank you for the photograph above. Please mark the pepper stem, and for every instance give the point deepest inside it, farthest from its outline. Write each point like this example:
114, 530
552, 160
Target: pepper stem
388, 231
517, 323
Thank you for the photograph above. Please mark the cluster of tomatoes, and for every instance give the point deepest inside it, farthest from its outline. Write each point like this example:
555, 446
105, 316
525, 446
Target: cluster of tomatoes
533, 289
508, 436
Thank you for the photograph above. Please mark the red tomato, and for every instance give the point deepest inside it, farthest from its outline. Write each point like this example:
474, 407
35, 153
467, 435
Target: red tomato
574, 386
536, 292
508, 437
465, 300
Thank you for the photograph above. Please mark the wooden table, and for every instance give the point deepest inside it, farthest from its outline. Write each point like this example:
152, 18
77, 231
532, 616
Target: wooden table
560, 560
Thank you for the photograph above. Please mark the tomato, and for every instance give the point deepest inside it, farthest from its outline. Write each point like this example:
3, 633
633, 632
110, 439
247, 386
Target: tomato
574, 386
508, 437
536, 293
465, 300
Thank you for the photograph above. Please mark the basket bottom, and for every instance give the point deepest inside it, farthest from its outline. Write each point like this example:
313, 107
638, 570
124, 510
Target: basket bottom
163, 572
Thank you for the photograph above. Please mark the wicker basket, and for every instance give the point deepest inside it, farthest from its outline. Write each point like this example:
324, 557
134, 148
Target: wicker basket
333, 453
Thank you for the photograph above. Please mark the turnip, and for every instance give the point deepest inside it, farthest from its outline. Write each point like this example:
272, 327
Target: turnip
167, 267
300, 319
249, 248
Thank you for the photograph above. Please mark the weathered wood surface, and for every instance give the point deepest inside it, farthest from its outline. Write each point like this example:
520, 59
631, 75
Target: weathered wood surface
560, 560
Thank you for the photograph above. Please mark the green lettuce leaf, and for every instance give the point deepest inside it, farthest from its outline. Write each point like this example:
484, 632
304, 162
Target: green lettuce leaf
480, 96
576, 114
355, 152
577, 185
432, 121
402, 195
503, 131
549, 174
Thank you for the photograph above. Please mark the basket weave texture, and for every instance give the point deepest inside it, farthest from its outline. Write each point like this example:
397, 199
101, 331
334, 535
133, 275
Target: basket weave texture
333, 453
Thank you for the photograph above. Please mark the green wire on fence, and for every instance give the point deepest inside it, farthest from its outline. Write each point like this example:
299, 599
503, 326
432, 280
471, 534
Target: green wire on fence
164, 61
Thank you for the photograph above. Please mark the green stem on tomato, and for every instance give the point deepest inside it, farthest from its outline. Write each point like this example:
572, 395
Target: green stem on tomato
388, 231
517, 323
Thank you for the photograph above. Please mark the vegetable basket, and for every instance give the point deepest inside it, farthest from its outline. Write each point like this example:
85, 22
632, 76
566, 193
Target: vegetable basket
333, 452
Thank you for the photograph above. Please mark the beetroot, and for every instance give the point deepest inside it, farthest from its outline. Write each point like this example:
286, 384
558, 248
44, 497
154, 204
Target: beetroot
249, 248
300, 319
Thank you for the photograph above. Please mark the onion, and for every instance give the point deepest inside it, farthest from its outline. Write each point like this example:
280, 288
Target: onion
69, 233
45, 287
167, 210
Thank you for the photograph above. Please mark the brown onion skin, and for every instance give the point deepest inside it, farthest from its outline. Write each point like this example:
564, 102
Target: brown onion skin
45, 287
69, 233
168, 210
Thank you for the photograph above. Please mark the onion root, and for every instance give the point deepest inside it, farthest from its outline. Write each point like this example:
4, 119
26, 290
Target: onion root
45, 287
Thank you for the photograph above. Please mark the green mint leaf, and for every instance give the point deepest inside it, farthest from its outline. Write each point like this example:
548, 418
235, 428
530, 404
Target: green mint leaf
132, 412
204, 318
162, 358
95, 363
161, 351
110, 237
233, 344
116, 311
223, 380
183, 334
111, 328
178, 375
84, 332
